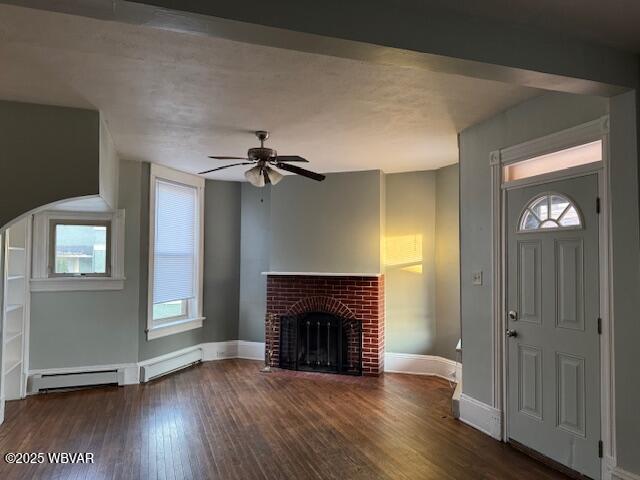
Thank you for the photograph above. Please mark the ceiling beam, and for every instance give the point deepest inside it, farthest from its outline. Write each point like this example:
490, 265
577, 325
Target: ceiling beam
392, 33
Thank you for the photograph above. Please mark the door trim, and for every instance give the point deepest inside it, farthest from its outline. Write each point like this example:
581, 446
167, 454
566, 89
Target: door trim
585, 133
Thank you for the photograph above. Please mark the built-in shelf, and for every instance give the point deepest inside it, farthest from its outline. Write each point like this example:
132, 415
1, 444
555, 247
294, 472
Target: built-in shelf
323, 274
10, 336
15, 311
12, 366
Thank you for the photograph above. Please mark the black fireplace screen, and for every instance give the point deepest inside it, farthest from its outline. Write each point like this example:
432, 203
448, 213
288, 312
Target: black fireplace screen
321, 342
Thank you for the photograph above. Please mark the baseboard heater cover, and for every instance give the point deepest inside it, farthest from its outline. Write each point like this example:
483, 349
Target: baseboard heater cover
168, 365
54, 381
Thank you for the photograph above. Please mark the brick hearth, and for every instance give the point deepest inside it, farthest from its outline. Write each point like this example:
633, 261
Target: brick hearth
360, 298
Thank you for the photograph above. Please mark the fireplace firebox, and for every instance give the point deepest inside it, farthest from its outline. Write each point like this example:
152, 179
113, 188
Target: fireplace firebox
321, 342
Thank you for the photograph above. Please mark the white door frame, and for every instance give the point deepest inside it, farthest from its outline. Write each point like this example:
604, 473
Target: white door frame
581, 134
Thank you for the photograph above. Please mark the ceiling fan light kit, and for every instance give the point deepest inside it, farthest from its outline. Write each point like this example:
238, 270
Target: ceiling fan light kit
254, 176
259, 176
264, 159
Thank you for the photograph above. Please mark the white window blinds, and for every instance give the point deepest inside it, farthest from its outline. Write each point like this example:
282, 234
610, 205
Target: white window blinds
176, 245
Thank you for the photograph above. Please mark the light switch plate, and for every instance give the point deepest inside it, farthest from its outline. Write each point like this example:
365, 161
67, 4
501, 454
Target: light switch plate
476, 278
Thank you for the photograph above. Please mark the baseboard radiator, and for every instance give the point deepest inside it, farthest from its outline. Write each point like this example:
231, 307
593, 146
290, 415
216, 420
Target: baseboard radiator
58, 381
168, 365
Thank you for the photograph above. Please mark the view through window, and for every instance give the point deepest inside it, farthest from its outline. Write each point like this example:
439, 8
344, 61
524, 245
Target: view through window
80, 249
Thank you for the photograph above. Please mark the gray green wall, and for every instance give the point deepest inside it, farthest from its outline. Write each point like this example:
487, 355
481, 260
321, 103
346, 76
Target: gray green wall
221, 269
50, 152
315, 227
422, 298
535, 118
540, 116
410, 289
108, 327
93, 328
222, 260
306, 226
255, 240
447, 261
329, 226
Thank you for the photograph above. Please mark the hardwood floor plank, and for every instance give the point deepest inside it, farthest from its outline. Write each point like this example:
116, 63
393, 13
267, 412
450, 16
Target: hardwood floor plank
225, 420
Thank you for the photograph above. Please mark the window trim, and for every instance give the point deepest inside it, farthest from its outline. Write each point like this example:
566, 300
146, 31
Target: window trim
53, 223
43, 281
194, 317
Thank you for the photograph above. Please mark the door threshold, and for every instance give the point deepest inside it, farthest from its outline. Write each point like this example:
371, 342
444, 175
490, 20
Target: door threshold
549, 462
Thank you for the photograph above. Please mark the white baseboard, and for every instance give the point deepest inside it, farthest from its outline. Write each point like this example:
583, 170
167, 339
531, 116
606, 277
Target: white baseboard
219, 350
250, 350
481, 416
422, 365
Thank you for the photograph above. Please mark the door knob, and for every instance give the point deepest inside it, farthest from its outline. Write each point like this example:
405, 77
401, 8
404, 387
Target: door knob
513, 315
511, 333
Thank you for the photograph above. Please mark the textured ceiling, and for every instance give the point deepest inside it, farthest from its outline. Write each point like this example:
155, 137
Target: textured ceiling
174, 98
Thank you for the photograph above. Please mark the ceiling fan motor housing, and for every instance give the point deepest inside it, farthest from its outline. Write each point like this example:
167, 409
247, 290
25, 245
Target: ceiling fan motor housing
262, 153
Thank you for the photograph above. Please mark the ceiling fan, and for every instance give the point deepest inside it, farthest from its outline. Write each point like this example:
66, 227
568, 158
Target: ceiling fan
264, 160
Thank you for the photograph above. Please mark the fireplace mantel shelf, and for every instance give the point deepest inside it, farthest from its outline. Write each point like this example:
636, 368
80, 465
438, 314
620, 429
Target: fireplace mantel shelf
323, 274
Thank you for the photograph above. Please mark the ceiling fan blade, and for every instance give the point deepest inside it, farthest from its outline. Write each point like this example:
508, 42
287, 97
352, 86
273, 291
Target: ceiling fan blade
227, 158
291, 158
225, 166
300, 171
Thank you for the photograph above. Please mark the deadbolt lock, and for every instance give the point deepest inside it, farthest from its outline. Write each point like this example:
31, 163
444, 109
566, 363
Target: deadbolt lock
513, 315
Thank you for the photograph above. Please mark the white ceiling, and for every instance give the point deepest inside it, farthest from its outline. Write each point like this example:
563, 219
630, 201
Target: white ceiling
174, 98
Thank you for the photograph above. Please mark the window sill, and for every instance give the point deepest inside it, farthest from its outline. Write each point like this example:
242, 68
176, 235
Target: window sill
76, 284
174, 327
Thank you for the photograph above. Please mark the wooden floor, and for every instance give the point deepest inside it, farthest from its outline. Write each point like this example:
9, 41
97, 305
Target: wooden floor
226, 420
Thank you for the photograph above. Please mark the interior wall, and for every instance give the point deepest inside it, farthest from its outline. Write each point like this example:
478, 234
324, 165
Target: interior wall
93, 328
330, 226
109, 167
255, 244
306, 226
108, 327
221, 260
626, 275
535, 118
410, 266
221, 269
447, 261
50, 152
409, 208
422, 262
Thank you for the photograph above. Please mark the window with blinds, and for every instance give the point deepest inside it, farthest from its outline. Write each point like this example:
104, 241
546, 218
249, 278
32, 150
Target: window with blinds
175, 249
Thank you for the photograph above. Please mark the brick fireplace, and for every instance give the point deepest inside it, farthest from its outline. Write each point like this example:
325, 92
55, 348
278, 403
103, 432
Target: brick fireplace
359, 298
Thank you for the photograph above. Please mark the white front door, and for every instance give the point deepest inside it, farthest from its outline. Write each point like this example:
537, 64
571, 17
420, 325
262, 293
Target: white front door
552, 300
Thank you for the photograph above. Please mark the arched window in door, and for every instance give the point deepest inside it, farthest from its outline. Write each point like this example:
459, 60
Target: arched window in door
550, 211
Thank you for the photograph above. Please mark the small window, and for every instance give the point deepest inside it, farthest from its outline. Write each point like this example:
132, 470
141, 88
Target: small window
554, 162
550, 211
80, 248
